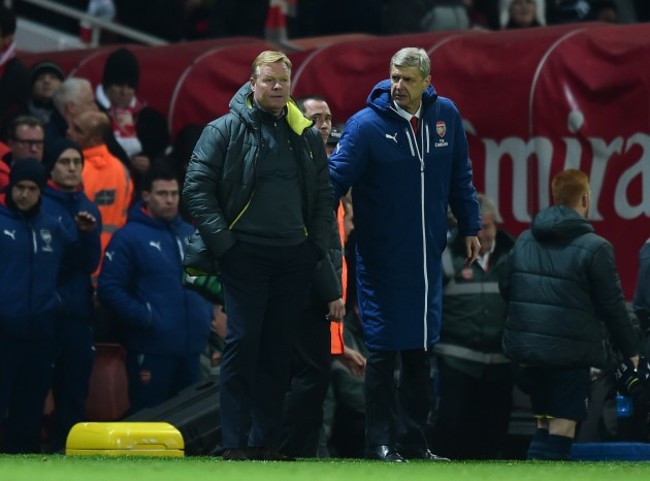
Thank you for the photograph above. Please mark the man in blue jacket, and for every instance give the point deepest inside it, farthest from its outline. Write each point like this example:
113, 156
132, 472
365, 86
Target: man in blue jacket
64, 198
32, 246
405, 157
165, 325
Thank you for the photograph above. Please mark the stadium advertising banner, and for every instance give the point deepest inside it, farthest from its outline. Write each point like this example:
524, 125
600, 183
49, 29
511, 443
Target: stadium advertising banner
534, 102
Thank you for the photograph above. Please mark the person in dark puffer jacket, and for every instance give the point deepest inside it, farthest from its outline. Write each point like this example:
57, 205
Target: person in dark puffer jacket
565, 302
258, 188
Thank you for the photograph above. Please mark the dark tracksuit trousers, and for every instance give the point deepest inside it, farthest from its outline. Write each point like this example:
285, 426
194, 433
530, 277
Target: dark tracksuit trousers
73, 367
26, 370
155, 378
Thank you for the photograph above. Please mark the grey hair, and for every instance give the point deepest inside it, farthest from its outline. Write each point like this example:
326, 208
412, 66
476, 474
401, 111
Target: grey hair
488, 207
69, 91
412, 57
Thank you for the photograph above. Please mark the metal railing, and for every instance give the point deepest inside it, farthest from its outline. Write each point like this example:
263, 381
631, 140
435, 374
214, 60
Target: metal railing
96, 24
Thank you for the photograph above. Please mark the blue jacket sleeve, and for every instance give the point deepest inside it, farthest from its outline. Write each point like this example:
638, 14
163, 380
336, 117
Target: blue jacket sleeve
113, 287
348, 162
462, 196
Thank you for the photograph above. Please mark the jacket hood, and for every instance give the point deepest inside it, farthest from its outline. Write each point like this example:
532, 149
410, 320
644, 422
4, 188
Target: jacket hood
96, 156
559, 222
242, 105
379, 97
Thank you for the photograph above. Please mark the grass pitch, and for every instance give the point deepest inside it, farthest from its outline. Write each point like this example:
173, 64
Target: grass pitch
109, 468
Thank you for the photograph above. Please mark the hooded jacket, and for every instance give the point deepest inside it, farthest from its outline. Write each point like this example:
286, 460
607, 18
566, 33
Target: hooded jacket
221, 176
31, 250
141, 282
402, 182
108, 184
565, 296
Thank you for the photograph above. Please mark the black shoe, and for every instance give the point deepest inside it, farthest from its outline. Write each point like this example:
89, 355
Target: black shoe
235, 455
384, 453
421, 453
266, 454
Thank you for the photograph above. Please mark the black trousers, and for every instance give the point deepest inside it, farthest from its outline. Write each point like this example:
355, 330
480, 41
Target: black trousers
473, 413
264, 291
310, 378
397, 408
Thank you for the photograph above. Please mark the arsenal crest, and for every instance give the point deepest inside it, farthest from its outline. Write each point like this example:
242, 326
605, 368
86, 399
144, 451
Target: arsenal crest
441, 128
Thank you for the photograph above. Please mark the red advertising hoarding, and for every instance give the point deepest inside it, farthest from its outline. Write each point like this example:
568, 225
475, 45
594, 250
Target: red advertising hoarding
534, 102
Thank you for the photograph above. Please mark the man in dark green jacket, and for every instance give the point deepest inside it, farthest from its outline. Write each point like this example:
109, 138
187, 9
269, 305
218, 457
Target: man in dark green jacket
565, 302
258, 189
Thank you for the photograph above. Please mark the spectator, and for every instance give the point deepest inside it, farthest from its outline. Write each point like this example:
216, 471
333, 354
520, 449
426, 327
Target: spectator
45, 79
470, 361
65, 199
267, 244
165, 325
391, 154
140, 130
571, 11
605, 11
106, 180
32, 246
410, 16
26, 139
74, 97
565, 300
14, 77
522, 14
100, 9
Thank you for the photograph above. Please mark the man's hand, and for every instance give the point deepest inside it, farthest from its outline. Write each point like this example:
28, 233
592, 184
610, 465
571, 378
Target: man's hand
472, 248
336, 310
140, 163
348, 218
85, 221
353, 360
